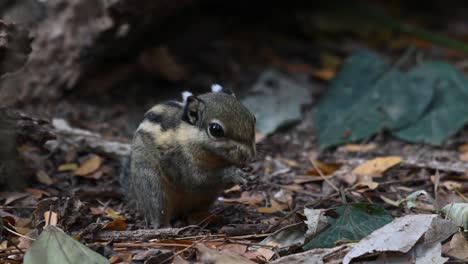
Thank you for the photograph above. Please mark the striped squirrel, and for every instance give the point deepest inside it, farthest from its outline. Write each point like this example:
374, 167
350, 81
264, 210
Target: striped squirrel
185, 153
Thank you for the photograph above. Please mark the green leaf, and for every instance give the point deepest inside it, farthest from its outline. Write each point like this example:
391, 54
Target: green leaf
352, 222
55, 247
368, 95
449, 109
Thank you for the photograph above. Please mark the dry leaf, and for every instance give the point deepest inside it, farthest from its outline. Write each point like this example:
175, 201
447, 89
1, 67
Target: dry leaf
89, 166
67, 167
463, 148
96, 210
22, 230
114, 215
51, 218
44, 178
117, 225
325, 168
266, 253
121, 258
246, 198
458, 247
13, 196
451, 185
37, 193
463, 156
288, 162
237, 248
235, 188
358, 147
275, 207
325, 74
376, 166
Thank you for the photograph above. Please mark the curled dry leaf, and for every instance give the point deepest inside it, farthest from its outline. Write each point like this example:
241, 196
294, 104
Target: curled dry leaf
89, 166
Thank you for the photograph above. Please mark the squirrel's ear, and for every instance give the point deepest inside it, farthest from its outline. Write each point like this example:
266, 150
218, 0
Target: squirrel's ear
193, 109
216, 88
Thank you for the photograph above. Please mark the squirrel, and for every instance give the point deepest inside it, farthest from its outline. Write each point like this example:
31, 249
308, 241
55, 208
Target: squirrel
185, 153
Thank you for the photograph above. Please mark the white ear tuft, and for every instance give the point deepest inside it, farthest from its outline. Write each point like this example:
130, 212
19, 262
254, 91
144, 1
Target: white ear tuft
186, 95
216, 88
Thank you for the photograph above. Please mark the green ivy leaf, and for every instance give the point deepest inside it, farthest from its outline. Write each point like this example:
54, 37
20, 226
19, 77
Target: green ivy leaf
350, 222
55, 247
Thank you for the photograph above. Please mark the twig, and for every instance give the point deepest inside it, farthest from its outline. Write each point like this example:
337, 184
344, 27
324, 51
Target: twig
323, 176
18, 234
182, 251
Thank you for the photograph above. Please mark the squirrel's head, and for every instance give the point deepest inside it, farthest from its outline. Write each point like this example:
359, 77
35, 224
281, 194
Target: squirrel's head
227, 126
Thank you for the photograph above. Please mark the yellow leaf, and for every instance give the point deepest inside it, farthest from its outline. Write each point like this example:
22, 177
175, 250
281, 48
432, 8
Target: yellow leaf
67, 167
89, 166
390, 201
275, 207
324, 74
358, 147
376, 166
42, 177
235, 188
114, 215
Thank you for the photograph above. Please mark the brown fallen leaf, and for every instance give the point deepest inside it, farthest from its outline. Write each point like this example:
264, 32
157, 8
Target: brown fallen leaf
96, 210
235, 188
463, 156
246, 198
116, 225
13, 196
275, 207
89, 166
67, 167
325, 168
266, 253
325, 74
237, 248
44, 178
121, 258
211, 256
458, 247
51, 218
310, 178
377, 166
451, 185
37, 193
22, 230
463, 148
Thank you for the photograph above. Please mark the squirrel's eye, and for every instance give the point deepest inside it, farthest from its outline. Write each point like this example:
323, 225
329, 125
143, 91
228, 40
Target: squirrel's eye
216, 130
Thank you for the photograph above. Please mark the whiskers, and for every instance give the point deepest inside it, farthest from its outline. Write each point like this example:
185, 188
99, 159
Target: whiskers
263, 149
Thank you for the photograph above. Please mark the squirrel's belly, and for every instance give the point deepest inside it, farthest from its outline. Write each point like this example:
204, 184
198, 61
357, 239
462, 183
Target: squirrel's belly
183, 202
